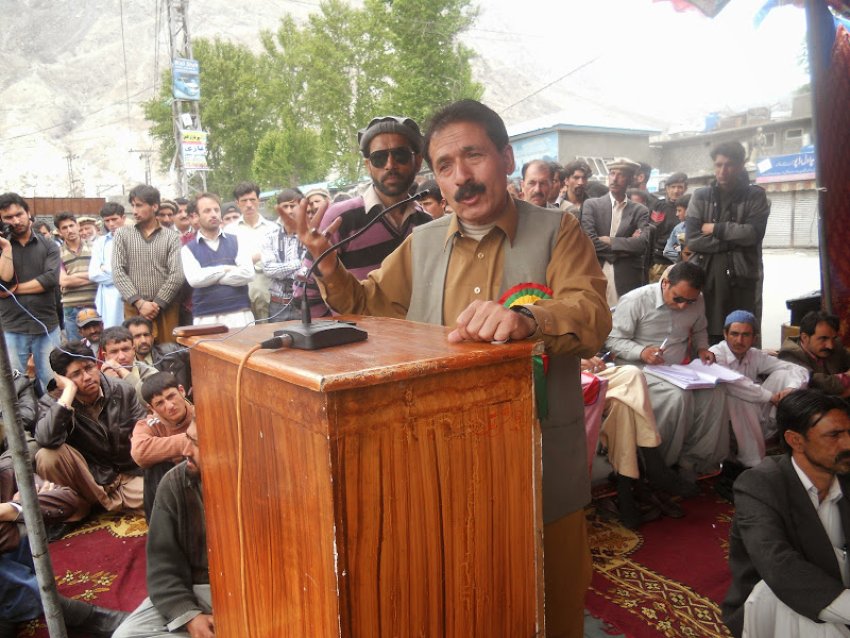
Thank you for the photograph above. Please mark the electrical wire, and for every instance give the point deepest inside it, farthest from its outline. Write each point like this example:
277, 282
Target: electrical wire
124, 52
240, 462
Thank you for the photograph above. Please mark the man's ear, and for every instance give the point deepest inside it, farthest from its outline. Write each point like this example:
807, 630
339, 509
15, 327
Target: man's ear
508, 159
794, 440
182, 391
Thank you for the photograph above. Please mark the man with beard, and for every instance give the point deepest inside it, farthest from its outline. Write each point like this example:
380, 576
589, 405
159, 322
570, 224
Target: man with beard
820, 351
573, 192
451, 272
219, 266
165, 357
29, 270
725, 226
179, 602
392, 151
788, 543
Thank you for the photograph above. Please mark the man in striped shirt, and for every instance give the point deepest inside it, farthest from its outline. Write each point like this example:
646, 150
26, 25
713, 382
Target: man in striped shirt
392, 151
282, 254
146, 265
78, 291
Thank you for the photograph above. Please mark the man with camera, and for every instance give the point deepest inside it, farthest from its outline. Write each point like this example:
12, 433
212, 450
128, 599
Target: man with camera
29, 274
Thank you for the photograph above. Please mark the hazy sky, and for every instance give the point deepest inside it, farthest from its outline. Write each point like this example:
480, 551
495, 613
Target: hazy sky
683, 63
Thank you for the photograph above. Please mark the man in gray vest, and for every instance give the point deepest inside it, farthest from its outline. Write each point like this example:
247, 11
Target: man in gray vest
452, 270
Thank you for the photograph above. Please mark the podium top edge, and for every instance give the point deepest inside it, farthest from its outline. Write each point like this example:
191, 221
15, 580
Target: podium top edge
394, 350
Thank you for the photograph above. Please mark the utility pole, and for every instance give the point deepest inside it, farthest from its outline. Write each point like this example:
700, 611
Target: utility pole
185, 114
145, 155
69, 158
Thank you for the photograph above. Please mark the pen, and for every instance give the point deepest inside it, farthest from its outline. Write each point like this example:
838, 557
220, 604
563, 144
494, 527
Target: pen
663, 343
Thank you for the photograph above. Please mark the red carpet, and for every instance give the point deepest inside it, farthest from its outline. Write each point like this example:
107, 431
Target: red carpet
101, 562
667, 579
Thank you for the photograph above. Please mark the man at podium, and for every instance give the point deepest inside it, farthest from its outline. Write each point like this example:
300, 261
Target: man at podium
452, 270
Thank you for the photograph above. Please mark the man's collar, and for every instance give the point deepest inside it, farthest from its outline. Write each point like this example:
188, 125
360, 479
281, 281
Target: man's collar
260, 221
659, 296
614, 202
834, 493
156, 228
200, 236
507, 221
29, 241
371, 200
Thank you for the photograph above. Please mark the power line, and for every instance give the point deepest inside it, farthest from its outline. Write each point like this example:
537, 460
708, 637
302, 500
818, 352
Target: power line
66, 122
124, 51
555, 81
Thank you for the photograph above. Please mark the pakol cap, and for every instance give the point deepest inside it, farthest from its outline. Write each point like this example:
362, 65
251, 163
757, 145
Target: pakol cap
390, 124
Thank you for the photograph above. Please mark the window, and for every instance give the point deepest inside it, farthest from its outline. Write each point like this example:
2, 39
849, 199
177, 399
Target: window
794, 134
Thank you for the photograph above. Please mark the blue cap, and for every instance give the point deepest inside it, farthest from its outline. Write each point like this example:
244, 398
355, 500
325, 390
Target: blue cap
741, 316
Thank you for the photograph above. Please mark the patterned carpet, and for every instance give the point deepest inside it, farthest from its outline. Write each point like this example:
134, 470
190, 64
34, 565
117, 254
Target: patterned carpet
668, 578
664, 581
101, 562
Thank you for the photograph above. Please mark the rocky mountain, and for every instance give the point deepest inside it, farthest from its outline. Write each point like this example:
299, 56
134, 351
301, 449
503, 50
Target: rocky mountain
73, 76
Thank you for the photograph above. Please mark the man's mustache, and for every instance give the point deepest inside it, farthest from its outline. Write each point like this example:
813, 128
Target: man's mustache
842, 456
470, 189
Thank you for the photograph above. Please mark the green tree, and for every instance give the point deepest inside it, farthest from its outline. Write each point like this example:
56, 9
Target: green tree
289, 156
291, 113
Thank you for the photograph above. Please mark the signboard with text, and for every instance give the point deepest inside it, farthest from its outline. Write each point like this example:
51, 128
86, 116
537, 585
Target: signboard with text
193, 149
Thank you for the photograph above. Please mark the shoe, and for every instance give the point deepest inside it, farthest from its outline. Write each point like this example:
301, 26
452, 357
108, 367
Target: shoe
676, 485
97, 621
662, 502
104, 622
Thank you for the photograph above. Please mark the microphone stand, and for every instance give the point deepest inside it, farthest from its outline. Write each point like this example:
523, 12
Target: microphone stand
327, 333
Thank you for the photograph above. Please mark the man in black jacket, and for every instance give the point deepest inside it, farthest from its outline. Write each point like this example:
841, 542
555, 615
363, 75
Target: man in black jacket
788, 543
179, 602
85, 432
725, 226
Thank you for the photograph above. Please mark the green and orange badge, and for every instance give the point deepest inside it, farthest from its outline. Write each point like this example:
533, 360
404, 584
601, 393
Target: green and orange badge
526, 294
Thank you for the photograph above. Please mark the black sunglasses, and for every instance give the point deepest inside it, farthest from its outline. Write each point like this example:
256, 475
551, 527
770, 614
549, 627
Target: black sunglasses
401, 155
685, 300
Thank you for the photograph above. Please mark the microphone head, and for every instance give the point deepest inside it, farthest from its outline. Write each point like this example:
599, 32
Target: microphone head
427, 192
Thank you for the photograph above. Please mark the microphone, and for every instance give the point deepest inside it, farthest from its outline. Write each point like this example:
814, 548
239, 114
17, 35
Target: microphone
326, 333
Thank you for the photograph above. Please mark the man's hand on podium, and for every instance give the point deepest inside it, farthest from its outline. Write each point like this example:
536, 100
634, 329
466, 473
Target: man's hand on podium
491, 321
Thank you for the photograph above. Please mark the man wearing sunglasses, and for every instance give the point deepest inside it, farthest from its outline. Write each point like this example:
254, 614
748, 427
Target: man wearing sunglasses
392, 152
664, 324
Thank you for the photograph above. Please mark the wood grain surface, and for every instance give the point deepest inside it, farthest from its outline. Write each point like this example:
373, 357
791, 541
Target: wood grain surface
390, 487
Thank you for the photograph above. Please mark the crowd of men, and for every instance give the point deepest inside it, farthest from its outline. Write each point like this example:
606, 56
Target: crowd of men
631, 280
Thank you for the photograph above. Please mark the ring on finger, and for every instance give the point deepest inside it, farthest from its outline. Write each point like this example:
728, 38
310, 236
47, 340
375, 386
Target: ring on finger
326, 234
314, 231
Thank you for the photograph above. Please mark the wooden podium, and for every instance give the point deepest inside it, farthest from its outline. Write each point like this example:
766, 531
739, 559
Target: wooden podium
388, 488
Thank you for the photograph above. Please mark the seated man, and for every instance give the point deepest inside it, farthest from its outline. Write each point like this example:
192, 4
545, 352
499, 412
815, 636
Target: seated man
751, 403
158, 439
162, 357
787, 546
658, 324
629, 432
119, 358
820, 351
179, 602
85, 432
